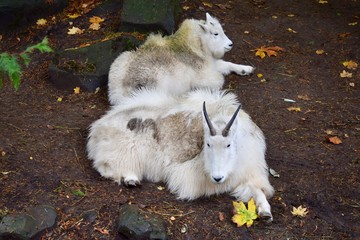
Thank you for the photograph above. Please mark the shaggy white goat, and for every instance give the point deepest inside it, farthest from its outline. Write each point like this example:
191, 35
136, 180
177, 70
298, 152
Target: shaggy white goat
188, 59
196, 152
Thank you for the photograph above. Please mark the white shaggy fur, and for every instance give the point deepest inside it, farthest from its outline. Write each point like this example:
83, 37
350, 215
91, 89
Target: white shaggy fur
188, 59
171, 142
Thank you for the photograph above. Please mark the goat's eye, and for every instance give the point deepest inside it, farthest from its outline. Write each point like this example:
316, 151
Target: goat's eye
228, 146
215, 34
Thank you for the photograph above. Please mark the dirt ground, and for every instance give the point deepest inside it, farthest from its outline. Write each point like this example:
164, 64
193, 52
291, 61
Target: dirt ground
42, 141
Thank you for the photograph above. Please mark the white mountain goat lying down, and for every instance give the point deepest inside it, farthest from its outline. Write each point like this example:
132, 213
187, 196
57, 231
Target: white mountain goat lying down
196, 152
188, 59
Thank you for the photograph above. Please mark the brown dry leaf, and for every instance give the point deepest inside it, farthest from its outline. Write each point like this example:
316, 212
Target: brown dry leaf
221, 216
335, 140
303, 97
270, 51
223, 6
94, 26
96, 19
186, 7
75, 30
103, 231
294, 109
345, 74
207, 4
352, 23
350, 64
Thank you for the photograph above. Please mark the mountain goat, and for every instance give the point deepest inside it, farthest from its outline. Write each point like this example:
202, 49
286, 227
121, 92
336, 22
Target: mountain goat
188, 59
196, 149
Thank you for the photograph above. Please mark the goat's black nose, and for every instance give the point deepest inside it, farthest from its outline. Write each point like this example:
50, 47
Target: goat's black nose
217, 179
230, 45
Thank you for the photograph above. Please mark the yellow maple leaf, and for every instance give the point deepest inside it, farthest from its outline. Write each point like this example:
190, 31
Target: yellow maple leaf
294, 109
320, 51
75, 30
73, 16
96, 19
41, 22
59, 99
350, 64
259, 75
244, 216
299, 211
94, 26
77, 90
345, 74
270, 51
323, 1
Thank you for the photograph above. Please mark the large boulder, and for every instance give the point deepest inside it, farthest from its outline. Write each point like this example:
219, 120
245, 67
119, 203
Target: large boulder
87, 67
136, 223
29, 224
150, 15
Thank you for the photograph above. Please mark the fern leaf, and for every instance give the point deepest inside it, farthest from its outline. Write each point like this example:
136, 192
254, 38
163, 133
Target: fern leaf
26, 58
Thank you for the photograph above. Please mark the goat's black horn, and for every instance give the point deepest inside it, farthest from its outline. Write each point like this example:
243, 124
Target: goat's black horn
211, 127
226, 130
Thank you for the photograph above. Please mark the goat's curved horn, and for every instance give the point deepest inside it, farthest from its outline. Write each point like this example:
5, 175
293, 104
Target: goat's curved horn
211, 127
226, 130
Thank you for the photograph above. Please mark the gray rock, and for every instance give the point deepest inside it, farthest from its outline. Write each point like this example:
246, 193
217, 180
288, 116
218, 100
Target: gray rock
29, 224
18, 13
135, 223
150, 15
87, 67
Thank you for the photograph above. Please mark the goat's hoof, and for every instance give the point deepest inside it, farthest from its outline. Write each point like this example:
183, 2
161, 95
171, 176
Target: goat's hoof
132, 183
266, 216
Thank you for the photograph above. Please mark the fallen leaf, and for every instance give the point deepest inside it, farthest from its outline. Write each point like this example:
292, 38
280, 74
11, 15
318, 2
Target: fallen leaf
259, 75
96, 19
41, 22
352, 23
345, 74
206, 4
303, 97
244, 215
270, 51
289, 100
323, 1
221, 216
291, 30
320, 51
299, 211
350, 64
185, 7
352, 84
223, 6
59, 99
335, 140
294, 109
77, 90
160, 188
75, 30
172, 218
103, 231
291, 15
94, 26
73, 16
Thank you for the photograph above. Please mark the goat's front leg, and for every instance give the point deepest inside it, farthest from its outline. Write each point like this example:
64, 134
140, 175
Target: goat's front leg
245, 192
227, 67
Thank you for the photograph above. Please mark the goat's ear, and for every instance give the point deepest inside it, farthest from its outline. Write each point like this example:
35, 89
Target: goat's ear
204, 27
